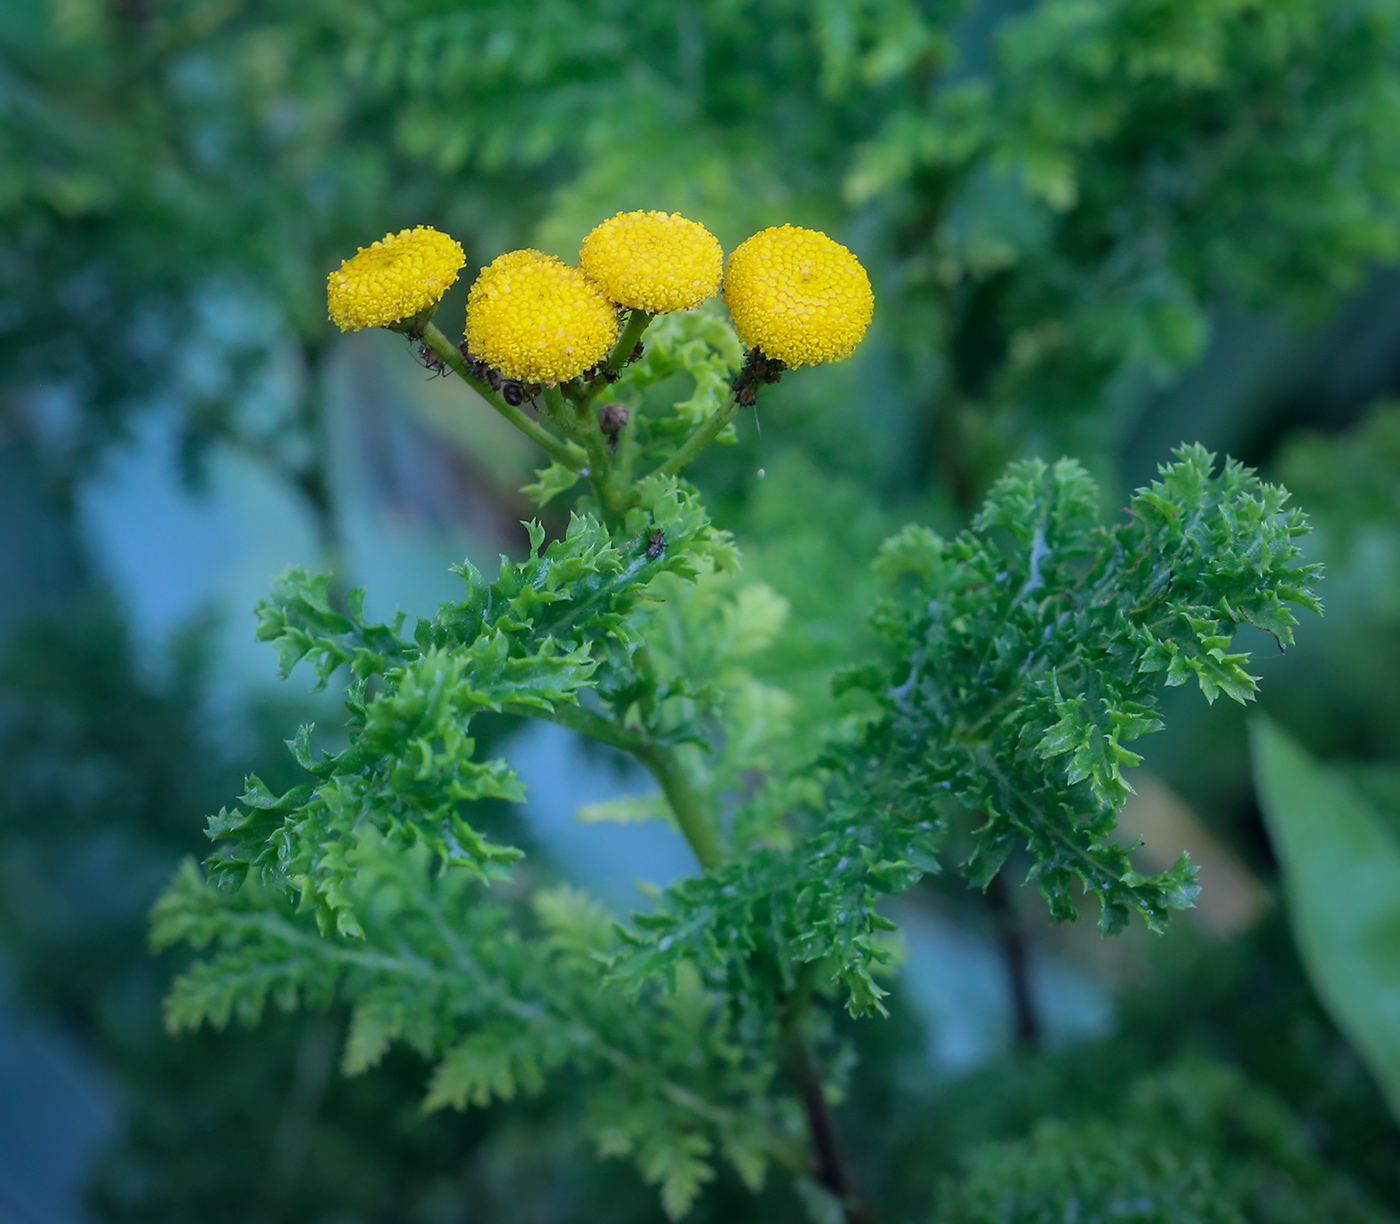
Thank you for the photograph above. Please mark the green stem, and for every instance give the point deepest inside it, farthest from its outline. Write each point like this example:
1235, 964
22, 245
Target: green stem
585, 722
697, 441
613, 494
575, 413
637, 322
686, 804
571, 456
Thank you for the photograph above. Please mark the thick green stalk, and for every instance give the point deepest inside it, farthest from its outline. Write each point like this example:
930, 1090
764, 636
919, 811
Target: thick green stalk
575, 413
685, 803
609, 478
614, 494
570, 455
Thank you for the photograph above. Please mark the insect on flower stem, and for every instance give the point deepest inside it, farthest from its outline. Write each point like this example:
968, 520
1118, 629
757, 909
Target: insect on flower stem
567, 453
637, 323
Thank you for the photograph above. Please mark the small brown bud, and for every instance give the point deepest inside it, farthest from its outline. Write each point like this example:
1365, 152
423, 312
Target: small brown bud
612, 419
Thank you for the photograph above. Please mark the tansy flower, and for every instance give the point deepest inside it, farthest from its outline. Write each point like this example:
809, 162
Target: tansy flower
798, 296
534, 318
393, 279
653, 261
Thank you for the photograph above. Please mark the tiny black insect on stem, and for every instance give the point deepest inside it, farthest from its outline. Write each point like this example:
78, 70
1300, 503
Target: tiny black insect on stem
429, 360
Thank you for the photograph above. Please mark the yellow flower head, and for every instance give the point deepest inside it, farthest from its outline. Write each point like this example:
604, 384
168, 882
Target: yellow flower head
535, 318
653, 261
798, 296
393, 279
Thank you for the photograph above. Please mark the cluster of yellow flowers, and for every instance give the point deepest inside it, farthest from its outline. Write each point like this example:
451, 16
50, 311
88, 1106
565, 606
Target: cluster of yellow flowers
795, 295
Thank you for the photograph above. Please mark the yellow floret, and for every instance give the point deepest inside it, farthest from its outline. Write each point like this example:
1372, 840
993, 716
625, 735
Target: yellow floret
653, 261
535, 318
393, 279
798, 296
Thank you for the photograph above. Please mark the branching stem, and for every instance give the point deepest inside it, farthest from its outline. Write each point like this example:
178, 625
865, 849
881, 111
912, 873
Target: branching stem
637, 322
686, 804
570, 455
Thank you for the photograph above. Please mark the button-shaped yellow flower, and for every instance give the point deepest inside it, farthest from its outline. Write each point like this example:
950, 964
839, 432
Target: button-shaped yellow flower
653, 261
535, 318
798, 296
393, 279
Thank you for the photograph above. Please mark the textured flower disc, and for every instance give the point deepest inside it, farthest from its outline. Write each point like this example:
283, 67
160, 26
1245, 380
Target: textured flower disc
653, 261
798, 296
535, 318
393, 279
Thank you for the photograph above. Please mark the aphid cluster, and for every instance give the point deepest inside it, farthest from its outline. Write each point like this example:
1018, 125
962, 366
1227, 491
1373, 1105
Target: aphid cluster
600, 369
757, 369
513, 390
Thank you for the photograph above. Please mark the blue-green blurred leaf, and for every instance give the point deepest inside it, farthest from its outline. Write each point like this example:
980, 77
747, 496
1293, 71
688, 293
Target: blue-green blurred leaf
1341, 868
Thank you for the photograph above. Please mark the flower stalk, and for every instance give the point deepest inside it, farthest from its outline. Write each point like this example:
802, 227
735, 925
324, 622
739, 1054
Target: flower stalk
556, 448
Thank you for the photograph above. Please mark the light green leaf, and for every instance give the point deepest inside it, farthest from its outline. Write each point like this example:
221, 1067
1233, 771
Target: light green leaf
626, 809
493, 1063
1341, 869
549, 483
676, 1161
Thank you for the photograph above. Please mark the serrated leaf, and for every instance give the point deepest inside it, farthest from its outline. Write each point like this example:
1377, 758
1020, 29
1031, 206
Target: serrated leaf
550, 482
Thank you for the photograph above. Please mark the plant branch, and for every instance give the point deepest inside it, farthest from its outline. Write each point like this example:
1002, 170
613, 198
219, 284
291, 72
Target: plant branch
637, 322
831, 1171
697, 441
573, 411
584, 721
1016, 955
570, 455
613, 496
685, 802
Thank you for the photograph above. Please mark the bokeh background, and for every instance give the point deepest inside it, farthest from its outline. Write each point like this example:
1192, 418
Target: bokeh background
1095, 227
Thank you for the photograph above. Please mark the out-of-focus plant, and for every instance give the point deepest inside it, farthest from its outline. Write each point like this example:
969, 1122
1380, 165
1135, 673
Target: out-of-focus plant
1325, 831
162, 168
1068, 214
1338, 820
1019, 660
1055, 213
1196, 1145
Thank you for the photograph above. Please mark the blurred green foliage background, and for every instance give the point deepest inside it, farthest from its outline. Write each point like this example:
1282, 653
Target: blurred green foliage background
1095, 227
